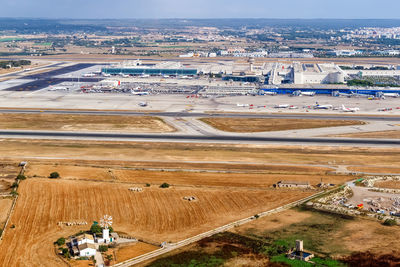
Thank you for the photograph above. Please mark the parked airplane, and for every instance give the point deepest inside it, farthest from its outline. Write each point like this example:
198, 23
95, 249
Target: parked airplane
106, 75
301, 93
308, 93
270, 93
143, 104
391, 94
344, 109
89, 75
58, 88
139, 92
144, 76
318, 106
243, 105
282, 106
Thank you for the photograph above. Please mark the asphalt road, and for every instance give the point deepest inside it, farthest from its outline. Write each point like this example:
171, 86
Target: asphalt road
196, 138
203, 115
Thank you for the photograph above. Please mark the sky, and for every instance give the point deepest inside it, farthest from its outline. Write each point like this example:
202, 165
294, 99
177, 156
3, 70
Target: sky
98, 9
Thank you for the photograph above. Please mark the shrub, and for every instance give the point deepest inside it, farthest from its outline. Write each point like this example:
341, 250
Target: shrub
54, 175
14, 185
147, 185
65, 252
256, 216
96, 229
164, 185
103, 248
390, 222
12, 226
60, 241
21, 177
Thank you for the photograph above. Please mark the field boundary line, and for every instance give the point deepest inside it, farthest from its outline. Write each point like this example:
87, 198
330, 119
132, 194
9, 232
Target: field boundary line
10, 212
190, 240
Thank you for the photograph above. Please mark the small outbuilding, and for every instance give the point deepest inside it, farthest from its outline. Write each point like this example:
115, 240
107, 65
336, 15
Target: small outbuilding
87, 250
292, 184
298, 253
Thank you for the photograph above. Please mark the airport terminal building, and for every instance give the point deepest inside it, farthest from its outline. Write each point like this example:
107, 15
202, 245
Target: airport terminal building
136, 68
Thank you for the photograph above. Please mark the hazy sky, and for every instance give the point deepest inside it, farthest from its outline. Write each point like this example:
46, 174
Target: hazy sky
201, 8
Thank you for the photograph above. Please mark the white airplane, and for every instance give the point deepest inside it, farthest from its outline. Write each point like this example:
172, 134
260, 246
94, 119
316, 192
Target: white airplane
144, 76
58, 88
242, 105
293, 107
270, 93
318, 106
282, 106
106, 75
139, 93
89, 75
124, 75
344, 109
165, 76
143, 104
307, 93
391, 94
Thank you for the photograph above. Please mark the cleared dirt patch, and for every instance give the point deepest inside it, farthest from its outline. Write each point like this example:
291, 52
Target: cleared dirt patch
245, 125
66, 122
155, 214
5, 206
388, 184
329, 233
208, 153
127, 252
225, 177
379, 134
373, 169
221, 179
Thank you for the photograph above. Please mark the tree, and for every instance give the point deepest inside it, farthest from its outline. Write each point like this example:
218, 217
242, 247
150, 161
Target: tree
96, 229
109, 257
164, 185
103, 248
60, 241
21, 177
390, 222
54, 175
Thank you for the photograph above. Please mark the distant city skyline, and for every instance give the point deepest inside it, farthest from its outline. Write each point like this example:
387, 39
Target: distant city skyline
130, 9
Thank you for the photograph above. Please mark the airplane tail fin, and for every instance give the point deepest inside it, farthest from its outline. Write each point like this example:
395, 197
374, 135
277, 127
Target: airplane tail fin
343, 107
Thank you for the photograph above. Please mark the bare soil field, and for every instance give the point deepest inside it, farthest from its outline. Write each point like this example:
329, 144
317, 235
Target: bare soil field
128, 252
5, 206
83, 123
223, 177
372, 169
388, 184
19, 149
155, 214
242, 125
335, 236
378, 134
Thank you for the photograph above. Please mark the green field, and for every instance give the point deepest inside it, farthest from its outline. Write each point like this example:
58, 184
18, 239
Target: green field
3, 40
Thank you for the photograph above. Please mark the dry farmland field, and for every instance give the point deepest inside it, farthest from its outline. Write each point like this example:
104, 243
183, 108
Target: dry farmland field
63, 122
239, 125
155, 214
230, 182
377, 134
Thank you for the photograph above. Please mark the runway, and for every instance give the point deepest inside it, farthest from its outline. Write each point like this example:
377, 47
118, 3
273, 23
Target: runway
193, 138
206, 115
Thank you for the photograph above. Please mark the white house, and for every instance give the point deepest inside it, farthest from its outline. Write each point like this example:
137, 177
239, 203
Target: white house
87, 250
83, 239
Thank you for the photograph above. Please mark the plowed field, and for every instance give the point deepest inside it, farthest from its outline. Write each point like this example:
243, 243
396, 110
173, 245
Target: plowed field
155, 214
